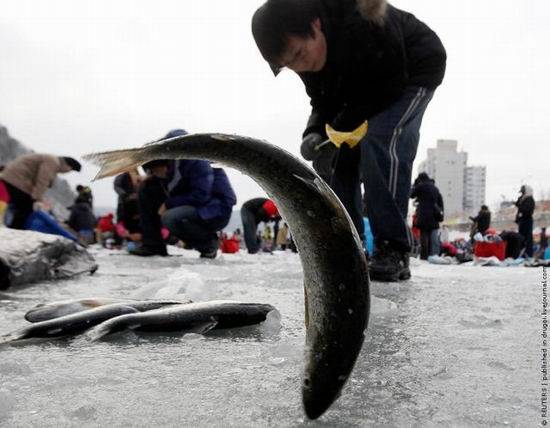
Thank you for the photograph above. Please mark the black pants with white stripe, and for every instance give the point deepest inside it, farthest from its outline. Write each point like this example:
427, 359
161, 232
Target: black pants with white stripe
383, 161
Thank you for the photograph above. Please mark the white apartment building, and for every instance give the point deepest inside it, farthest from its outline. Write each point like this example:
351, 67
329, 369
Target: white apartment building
462, 187
474, 189
446, 166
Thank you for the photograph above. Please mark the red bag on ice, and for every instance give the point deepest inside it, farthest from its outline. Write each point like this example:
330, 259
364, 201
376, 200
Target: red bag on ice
490, 249
229, 245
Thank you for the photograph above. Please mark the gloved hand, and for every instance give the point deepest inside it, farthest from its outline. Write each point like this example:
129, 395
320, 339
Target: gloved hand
324, 163
38, 206
309, 148
351, 138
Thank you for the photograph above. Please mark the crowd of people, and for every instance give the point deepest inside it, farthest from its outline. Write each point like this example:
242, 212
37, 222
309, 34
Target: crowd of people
189, 203
370, 71
432, 241
185, 202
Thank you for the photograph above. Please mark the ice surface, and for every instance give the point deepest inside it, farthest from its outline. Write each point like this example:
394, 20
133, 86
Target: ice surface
456, 345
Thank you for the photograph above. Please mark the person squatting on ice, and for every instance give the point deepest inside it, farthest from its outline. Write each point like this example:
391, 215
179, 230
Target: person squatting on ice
360, 60
482, 221
253, 212
190, 198
429, 213
127, 212
26, 179
82, 219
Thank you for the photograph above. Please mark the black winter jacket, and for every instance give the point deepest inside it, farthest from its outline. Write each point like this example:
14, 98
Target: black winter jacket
124, 187
82, 217
429, 202
483, 220
369, 65
526, 208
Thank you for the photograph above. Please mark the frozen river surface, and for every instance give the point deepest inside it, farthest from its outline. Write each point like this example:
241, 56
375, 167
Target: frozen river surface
456, 345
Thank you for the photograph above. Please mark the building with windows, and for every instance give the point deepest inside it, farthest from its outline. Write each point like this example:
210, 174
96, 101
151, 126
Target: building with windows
474, 189
462, 187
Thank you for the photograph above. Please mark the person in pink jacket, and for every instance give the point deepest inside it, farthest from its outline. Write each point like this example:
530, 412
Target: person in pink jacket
27, 178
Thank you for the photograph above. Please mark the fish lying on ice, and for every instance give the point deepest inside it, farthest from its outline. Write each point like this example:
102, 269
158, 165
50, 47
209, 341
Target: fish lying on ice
47, 311
336, 281
199, 317
78, 322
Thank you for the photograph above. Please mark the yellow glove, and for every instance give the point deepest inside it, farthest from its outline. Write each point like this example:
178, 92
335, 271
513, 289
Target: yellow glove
351, 138
3, 209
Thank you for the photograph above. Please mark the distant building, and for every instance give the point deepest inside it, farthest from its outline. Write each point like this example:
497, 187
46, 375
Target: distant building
474, 189
446, 166
462, 187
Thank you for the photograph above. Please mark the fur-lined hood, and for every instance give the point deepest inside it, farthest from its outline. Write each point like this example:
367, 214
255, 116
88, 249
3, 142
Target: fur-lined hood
526, 190
373, 10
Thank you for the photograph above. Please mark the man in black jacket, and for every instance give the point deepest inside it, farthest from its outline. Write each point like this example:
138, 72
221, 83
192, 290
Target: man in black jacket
524, 217
429, 213
360, 60
482, 221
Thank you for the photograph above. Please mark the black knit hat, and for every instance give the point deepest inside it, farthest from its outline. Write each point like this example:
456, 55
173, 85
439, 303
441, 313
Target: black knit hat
73, 163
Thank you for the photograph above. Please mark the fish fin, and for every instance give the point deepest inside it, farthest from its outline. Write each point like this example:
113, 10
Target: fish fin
98, 332
309, 182
204, 327
103, 329
316, 184
112, 325
118, 161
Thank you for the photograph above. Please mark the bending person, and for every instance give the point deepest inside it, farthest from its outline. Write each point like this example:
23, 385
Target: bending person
362, 60
253, 212
27, 179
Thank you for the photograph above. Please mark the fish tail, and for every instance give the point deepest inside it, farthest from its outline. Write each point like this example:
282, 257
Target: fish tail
119, 161
12, 337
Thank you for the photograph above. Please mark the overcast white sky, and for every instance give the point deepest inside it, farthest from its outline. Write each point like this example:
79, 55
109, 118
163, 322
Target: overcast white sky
78, 77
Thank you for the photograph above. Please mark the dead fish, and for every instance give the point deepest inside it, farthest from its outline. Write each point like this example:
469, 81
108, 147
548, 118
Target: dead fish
78, 322
198, 317
336, 280
69, 324
47, 311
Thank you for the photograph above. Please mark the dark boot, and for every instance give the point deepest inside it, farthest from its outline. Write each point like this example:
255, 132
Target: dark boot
209, 254
389, 265
148, 251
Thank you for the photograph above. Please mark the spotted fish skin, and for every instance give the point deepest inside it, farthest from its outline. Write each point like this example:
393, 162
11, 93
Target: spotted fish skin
200, 316
336, 280
69, 324
48, 311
